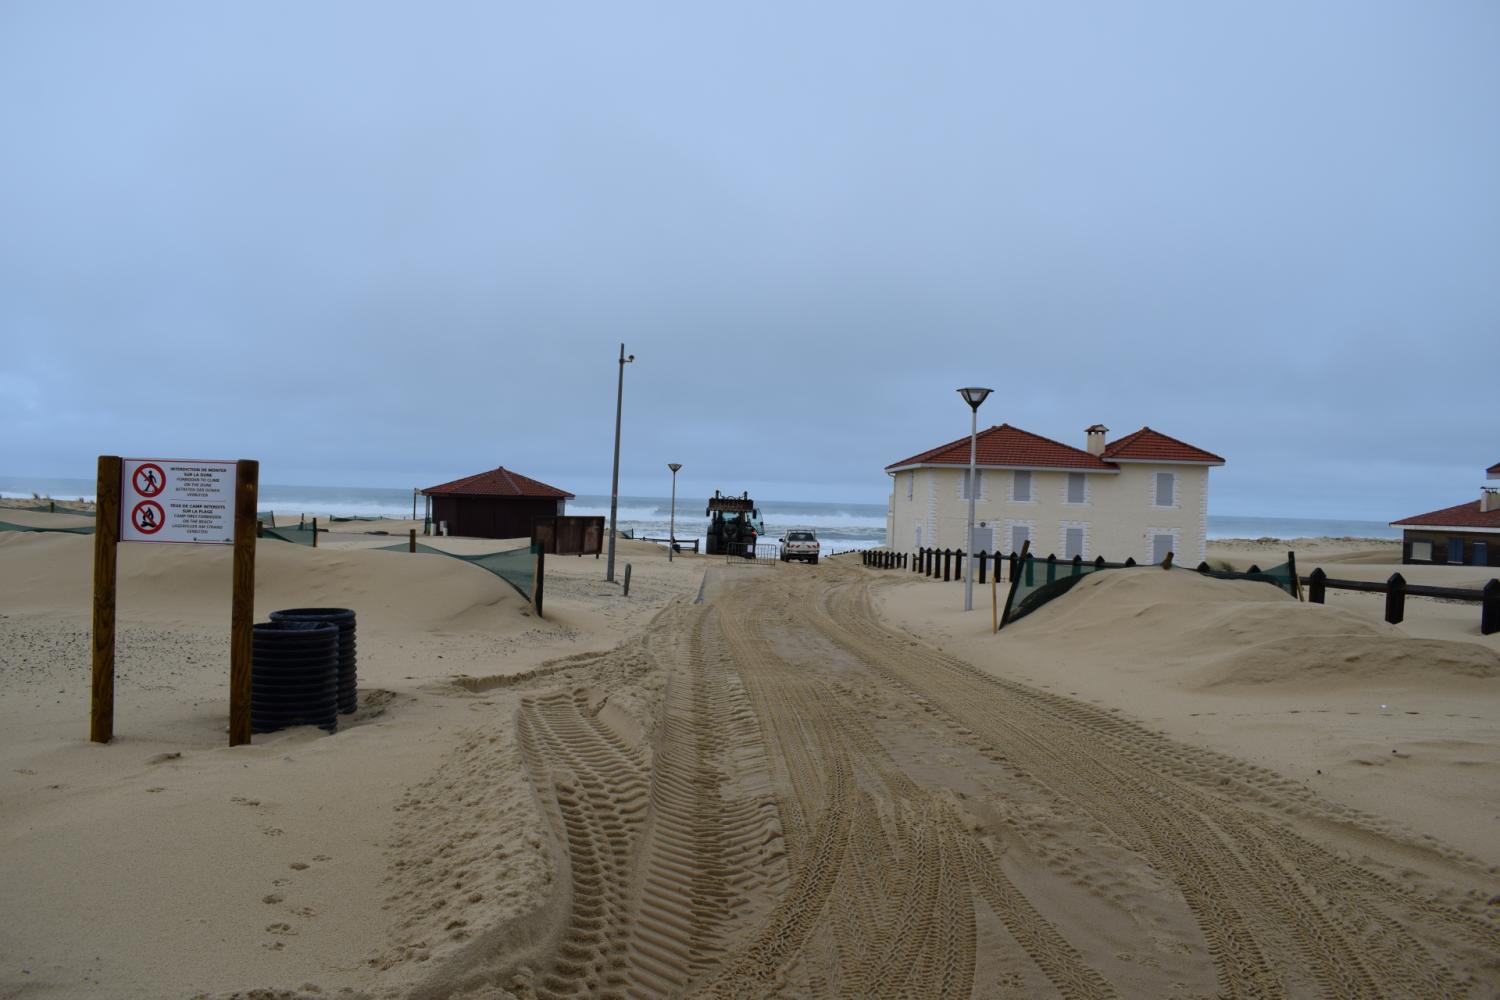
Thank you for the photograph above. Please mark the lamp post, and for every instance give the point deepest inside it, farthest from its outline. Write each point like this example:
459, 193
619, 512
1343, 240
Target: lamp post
672, 532
614, 482
972, 395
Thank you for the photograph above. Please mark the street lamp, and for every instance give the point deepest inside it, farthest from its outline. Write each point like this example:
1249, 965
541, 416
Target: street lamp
672, 532
972, 395
614, 483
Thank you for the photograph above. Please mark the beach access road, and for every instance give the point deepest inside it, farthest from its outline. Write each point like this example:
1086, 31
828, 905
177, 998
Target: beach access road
817, 804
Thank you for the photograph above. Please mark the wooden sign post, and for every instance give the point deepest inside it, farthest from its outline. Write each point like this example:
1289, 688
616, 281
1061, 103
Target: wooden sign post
106, 549
184, 502
242, 599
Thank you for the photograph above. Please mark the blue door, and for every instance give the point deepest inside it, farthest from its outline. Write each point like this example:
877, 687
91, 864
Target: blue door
1481, 553
1455, 550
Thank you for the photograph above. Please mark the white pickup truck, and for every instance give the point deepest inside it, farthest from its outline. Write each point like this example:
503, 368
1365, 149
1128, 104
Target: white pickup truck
800, 543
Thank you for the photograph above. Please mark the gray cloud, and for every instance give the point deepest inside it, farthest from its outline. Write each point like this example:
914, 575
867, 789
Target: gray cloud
374, 245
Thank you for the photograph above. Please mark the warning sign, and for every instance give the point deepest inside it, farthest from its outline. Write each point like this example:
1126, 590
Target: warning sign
149, 479
147, 516
167, 500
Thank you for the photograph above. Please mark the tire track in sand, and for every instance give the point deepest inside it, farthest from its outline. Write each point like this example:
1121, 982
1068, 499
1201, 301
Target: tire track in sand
1275, 907
658, 857
884, 875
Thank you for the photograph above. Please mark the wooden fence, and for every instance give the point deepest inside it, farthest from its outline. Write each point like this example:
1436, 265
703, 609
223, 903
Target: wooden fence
1397, 590
947, 564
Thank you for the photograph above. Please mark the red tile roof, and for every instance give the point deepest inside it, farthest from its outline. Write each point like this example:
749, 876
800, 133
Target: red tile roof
499, 482
1010, 447
1464, 515
1147, 445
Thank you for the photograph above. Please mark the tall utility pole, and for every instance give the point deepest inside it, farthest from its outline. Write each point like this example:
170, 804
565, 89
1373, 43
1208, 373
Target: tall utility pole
614, 482
973, 395
672, 531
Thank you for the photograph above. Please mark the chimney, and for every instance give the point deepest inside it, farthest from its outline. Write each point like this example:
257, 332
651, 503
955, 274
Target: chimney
1489, 499
1096, 438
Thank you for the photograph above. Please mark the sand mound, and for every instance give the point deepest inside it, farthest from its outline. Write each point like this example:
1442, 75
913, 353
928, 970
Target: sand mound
1216, 633
163, 584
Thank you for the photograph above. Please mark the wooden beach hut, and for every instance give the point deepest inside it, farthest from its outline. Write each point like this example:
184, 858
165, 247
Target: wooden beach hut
498, 503
1466, 534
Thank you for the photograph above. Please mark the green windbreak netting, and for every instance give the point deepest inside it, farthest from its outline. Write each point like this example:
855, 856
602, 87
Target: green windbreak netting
83, 529
1039, 581
516, 567
47, 508
1283, 576
298, 534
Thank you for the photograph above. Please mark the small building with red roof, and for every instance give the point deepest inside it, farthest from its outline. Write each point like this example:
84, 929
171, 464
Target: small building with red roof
498, 503
1466, 534
1139, 496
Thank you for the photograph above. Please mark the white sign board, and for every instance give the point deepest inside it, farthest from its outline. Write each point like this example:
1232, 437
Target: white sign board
176, 500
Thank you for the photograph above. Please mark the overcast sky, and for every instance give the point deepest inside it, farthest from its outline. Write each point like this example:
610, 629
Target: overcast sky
389, 245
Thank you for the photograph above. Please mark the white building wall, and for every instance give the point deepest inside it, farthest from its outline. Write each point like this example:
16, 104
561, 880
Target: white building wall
1119, 514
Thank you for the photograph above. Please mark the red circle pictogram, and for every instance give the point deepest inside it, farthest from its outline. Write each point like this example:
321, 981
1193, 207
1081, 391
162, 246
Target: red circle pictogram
148, 517
148, 479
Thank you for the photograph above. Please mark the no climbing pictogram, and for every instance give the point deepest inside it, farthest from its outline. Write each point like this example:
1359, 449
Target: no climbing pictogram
149, 480
148, 517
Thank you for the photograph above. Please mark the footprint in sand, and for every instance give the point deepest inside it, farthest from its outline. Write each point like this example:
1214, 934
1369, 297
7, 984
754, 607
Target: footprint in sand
281, 929
271, 898
298, 866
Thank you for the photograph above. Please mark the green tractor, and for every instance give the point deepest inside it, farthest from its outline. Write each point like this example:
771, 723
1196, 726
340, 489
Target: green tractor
733, 526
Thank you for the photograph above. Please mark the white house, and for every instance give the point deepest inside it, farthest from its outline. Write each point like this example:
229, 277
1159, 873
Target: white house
1141, 496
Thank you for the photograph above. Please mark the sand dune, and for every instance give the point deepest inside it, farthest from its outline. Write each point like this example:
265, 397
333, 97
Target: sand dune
819, 780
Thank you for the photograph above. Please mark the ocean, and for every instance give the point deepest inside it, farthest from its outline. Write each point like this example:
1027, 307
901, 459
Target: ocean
840, 526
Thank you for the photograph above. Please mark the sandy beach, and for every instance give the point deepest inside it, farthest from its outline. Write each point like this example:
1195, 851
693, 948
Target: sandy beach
816, 781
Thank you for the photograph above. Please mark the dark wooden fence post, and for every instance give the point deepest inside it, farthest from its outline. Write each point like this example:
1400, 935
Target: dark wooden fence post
1129, 561
1051, 566
958, 564
1489, 609
1099, 562
1253, 568
1167, 562
1316, 588
1203, 567
984, 558
1078, 565
1395, 599
1015, 565
947, 565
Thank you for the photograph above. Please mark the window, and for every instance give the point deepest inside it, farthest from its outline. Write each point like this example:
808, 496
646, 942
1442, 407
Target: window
1019, 534
1166, 489
1421, 551
1077, 487
911, 484
1072, 543
1020, 490
963, 484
